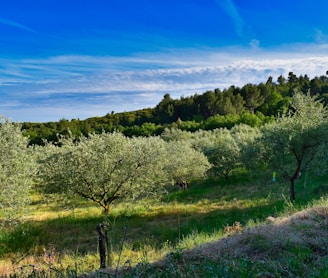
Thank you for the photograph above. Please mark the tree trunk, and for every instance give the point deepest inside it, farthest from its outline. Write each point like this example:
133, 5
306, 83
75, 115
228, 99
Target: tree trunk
292, 190
102, 237
106, 209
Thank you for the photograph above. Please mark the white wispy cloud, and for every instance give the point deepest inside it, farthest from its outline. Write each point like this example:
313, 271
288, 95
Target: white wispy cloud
230, 8
17, 25
85, 86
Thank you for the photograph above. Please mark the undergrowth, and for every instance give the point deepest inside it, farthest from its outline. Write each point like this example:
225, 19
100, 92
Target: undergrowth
59, 242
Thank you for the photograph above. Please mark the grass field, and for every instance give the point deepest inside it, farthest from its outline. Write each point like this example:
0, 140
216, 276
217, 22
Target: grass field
158, 238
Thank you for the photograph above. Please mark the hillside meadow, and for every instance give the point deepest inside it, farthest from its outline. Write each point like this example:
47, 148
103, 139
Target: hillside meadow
205, 231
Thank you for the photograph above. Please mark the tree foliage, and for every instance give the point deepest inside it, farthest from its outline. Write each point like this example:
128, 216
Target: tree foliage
111, 167
185, 163
17, 170
212, 109
246, 138
295, 141
224, 153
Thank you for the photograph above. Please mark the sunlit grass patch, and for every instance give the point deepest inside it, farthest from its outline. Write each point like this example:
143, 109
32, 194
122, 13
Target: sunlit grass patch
144, 232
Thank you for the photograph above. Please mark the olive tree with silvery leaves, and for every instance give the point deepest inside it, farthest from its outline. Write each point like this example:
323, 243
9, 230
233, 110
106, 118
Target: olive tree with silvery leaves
111, 167
297, 141
185, 162
17, 171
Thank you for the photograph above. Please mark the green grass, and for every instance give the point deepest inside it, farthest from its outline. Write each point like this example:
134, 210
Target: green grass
56, 240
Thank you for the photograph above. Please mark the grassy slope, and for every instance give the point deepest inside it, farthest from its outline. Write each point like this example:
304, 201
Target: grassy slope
290, 246
66, 240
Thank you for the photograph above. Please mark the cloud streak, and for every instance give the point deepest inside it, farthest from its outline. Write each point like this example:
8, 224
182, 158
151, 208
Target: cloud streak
86, 86
230, 8
17, 25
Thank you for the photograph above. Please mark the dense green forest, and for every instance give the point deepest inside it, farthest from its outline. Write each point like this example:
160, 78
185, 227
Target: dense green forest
252, 104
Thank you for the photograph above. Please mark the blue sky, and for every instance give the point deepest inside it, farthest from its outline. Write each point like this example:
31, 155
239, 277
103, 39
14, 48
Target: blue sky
76, 59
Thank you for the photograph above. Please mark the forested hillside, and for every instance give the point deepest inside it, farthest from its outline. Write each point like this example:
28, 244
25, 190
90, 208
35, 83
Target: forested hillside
253, 104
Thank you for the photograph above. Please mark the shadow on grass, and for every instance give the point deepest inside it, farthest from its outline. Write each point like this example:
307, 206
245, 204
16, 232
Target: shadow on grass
74, 234
78, 233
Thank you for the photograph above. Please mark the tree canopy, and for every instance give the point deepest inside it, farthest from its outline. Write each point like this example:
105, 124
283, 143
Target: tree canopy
17, 170
209, 110
111, 167
296, 141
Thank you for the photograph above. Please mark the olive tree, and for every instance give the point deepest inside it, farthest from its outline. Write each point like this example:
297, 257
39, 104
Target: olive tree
185, 163
175, 134
17, 170
222, 151
218, 146
111, 167
296, 141
246, 138
187, 160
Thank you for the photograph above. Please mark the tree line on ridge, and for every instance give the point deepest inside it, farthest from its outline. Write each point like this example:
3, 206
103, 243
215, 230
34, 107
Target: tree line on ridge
252, 104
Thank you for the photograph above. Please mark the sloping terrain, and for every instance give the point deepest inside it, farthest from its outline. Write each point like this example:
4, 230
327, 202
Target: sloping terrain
302, 230
290, 246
